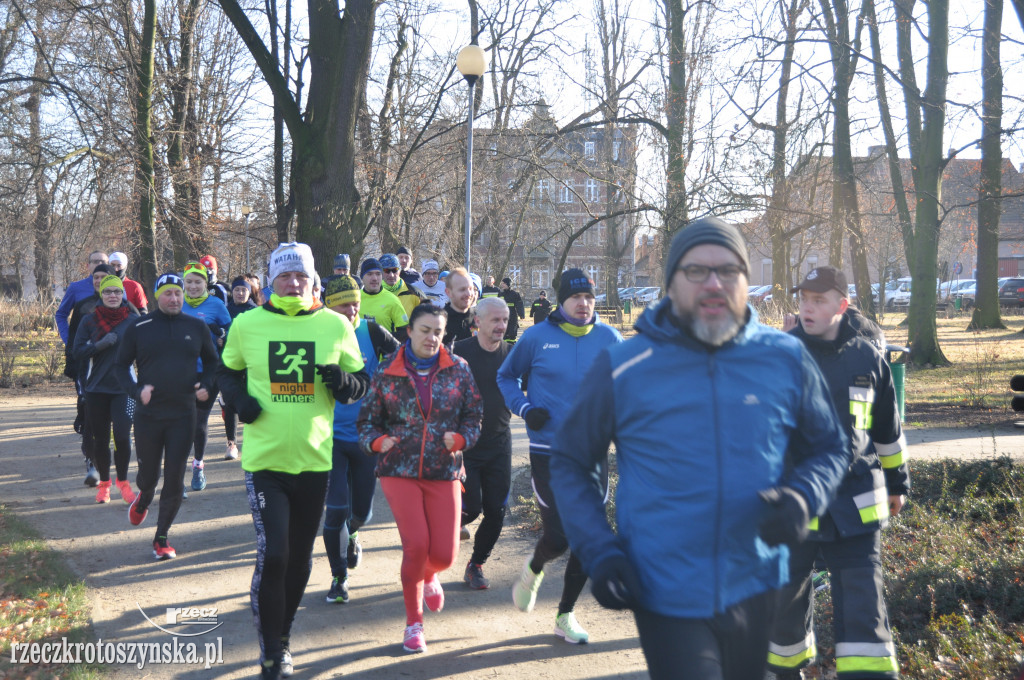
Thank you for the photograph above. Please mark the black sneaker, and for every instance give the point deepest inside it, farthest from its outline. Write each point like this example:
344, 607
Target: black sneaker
475, 578
92, 478
338, 594
270, 670
287, 668
354, 553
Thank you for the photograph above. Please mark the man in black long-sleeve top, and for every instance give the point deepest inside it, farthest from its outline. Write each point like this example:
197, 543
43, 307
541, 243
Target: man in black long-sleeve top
165, 345
488, 465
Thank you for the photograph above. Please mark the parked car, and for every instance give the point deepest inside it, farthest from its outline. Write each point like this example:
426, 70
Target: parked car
1011, 293
969, 293
758, 295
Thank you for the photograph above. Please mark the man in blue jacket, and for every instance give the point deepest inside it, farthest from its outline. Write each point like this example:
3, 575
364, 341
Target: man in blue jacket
554, 355
726, 443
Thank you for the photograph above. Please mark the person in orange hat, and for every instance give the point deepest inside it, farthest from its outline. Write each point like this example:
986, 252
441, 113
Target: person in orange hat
216, 288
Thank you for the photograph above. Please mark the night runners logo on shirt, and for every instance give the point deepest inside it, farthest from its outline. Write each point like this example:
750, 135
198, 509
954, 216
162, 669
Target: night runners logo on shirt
291, 372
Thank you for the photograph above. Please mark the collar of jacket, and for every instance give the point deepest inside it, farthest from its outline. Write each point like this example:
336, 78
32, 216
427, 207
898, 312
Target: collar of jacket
846, 334
397, 365
316, 307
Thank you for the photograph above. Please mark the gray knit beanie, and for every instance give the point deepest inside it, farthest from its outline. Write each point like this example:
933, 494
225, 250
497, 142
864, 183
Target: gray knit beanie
708, 230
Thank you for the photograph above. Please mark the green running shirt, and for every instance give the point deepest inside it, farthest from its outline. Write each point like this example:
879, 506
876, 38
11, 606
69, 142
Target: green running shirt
294, 432
384, 308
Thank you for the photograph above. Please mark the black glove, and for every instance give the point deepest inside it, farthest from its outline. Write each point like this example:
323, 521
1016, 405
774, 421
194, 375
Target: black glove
108, 340
615, 584
331, 374
248, 409
536, 418
217, 330
785, 518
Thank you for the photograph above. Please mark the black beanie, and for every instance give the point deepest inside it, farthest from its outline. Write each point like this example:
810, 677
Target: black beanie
708, 230
105, 268
574, 281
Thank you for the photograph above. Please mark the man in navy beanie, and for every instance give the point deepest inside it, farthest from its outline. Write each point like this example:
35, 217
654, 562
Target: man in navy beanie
555, 354
726, 445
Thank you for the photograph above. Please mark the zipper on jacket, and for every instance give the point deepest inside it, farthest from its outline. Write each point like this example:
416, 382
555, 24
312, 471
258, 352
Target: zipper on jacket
718, 492
426, 417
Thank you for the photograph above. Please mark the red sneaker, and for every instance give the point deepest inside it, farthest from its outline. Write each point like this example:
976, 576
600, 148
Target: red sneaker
103, 492
162, 550
414, 641
135, 516
125, 487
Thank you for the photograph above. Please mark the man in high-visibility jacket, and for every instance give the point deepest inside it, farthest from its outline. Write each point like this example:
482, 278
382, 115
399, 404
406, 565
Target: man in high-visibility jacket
848, 533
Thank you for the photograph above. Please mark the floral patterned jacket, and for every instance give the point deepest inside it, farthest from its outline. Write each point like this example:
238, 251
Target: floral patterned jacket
392, 408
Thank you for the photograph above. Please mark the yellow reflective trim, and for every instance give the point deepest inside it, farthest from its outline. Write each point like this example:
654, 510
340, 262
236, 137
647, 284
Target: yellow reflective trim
813, 524
860, 664
792, 661
893, 461
861, 412
874, 513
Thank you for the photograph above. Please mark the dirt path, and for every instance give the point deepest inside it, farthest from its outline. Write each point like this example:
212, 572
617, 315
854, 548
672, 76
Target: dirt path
479, 634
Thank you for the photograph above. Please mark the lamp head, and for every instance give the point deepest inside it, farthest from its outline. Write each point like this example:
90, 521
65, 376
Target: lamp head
471, 62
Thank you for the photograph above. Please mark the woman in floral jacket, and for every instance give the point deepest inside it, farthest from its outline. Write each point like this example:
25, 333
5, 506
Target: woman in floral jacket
422, 411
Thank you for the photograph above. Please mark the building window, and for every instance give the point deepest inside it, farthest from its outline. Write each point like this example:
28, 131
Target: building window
592, 192
615, 150
493, 148
540, 193
601, 233
594, 272
565, 194
541, 278
588, 149
766, 270
812, 263
513, 273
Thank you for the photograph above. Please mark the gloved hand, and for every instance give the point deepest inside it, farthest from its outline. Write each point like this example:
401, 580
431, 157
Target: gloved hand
615, 583
108, 340
331, 374
536, 418
248, 409
217, 330
785, 518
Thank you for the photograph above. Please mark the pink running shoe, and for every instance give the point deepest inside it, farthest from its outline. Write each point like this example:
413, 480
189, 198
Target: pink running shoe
433, 594
414, 641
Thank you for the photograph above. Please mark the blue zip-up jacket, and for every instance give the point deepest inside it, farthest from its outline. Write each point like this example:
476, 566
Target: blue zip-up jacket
77, 290
215, 315
698, 432
553, 363
374, 344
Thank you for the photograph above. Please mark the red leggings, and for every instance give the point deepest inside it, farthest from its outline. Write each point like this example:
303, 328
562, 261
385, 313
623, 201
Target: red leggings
427, 513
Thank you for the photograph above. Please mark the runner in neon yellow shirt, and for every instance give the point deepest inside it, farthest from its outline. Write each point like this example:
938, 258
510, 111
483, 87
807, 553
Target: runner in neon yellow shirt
377, 304
284, 366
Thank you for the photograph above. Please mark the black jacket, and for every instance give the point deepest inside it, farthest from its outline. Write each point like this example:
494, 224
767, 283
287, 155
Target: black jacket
515, 306
865, 401
98, 367
165, 350
459, 326
540, 309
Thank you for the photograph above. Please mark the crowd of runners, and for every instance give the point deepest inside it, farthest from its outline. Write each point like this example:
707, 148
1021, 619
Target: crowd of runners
746, 457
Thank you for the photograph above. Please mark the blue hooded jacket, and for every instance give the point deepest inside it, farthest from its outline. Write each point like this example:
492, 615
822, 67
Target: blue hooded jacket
698, 432
553, 363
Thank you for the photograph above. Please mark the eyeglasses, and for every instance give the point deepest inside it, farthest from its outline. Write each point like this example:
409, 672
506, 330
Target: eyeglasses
390, 271
113, 291
699, 273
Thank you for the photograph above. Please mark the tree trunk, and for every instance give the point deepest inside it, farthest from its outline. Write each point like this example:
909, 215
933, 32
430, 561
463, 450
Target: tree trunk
923, 334
42, 220
144, 146
676, 214
986, 310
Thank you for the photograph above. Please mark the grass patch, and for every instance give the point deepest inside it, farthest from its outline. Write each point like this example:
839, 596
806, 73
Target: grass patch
954, 574
40, 601
975, 388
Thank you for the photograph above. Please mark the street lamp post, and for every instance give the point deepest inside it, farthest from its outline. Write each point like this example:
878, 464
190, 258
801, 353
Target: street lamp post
471, 65
246, 210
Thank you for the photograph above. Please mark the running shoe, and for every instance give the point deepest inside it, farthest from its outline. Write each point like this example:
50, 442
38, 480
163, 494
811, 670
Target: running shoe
232, 452
475, 577
162, 549
354, 552
464, 534
125, 487
136, 516
568, 628
287, 667
338, 592
103, 492
433, 594
819, 580
92, 478
198, 476
524, 592
414, 641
